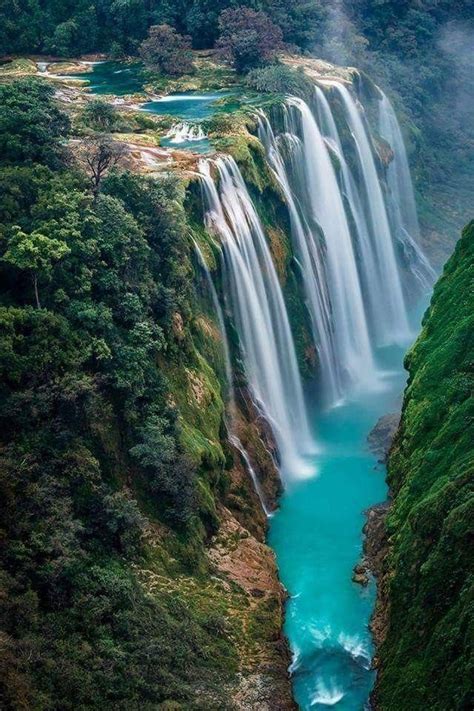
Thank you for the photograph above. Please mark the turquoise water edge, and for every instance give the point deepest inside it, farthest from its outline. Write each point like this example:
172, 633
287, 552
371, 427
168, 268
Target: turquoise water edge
317, 537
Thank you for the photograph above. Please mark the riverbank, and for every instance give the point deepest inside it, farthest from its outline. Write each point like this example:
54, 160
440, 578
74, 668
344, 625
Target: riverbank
375, 537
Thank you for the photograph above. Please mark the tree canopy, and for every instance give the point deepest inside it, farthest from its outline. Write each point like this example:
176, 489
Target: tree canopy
91, 280
166, 51
247, 38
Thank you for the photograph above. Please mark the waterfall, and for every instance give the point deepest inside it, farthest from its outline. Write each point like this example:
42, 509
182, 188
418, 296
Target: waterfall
183, 132
235, 441
259, 313
220, 319
233, 438
401, 198
343, 325
364, 251
386, 277
310, 262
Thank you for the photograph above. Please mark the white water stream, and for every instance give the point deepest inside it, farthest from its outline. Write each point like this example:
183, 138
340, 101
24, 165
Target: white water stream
259, 312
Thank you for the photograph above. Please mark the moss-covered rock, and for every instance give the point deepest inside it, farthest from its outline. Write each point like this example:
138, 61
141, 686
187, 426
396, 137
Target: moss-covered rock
426, 658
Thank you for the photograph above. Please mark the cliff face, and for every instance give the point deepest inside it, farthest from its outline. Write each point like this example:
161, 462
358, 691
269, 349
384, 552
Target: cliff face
424, 614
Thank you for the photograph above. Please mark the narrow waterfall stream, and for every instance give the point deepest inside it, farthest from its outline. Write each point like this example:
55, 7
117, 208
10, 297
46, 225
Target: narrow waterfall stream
259, 312
402, 199
352, 229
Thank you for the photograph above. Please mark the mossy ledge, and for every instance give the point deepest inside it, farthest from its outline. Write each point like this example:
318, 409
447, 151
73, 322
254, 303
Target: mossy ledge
422, 553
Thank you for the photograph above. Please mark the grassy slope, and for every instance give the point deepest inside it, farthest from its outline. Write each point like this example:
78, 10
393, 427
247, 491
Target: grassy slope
425, 660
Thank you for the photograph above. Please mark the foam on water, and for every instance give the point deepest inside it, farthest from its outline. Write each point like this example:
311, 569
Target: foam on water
326, 695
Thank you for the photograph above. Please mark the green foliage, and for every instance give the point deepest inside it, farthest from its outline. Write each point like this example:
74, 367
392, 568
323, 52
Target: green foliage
166, 51
100, 115
89, 437
422, 54
67, 29
31, 126
34, 252
426, 657
247, 38
280, 79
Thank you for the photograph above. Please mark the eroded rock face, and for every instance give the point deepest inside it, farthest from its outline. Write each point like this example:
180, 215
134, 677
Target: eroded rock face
245, 560
375, 551
373, 563
263, 682
376, 545
381, 436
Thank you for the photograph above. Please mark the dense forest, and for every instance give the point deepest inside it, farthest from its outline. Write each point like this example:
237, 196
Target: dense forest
83, 406
116, 471
426, 656
108, 489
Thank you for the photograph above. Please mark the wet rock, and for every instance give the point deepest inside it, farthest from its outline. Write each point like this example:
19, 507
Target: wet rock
361, 574
375, 551
381, 436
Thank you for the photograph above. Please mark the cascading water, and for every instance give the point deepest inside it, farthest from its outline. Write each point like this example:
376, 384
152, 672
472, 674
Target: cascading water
386, 278
220, 318
311, 264
364, 252
345, 244
259, 313
184, 132
233, 438
353, 283
343, 336
401, 203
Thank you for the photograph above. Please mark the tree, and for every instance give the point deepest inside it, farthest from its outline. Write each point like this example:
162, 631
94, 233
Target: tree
166, 51
248, 38
300, 21
100, 155
202, 21
100, 115
36, 253
31, 125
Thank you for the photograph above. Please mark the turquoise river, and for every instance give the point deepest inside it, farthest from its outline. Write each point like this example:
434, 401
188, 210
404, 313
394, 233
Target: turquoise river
317, 537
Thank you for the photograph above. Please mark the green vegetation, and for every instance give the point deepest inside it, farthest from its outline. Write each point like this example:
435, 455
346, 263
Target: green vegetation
111, 462
280, 79
166, 51
31, 126
426, 660
66, 29
421, 55
113, 465
100, 115
247, 38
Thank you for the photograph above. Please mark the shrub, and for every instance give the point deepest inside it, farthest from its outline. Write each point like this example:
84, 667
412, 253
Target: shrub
100, 115
280, 79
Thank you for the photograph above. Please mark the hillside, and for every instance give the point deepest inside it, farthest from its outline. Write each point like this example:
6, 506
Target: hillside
426, 588
131, 536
